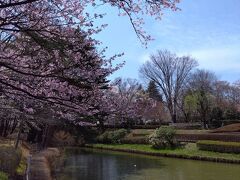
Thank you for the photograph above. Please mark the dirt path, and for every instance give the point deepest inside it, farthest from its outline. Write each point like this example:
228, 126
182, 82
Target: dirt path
40, 163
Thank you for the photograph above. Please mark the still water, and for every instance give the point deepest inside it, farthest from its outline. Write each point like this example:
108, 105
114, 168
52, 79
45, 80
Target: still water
89, 164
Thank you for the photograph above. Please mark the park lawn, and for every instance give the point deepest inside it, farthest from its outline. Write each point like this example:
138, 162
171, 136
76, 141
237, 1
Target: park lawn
190, 151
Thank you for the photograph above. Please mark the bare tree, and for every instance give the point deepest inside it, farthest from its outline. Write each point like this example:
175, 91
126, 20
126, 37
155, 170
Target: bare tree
203, 80
202, 85
169, 73
234, 93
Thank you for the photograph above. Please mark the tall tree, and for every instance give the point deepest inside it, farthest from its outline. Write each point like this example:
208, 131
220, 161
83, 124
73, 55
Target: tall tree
202, 84
170, 73
234, 93
153, 92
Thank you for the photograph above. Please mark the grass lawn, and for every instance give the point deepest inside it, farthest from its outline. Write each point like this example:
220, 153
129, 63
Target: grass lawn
3, 176
190, 151
23, 163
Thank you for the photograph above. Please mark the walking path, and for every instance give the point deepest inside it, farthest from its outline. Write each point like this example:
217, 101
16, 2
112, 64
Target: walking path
39, 163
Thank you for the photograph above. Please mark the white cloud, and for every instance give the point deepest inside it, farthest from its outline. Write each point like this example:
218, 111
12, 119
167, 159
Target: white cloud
224, 61
218, 60
144, 58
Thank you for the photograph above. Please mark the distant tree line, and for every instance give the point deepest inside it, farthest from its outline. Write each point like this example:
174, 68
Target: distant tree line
191, 94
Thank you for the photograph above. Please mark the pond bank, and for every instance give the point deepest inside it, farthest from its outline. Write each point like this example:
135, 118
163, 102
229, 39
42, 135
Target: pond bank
190, 152
42, 164
90, 164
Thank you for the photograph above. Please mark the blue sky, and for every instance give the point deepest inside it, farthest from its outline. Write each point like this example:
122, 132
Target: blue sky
207, 30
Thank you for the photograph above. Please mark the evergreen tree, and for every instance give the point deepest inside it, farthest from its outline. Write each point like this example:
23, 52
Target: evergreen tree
153, 91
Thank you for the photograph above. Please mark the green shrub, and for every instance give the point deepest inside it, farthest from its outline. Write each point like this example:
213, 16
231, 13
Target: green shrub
219, 146
135, 140
112, 136
118, 135
3, 176
103, 138
163, 137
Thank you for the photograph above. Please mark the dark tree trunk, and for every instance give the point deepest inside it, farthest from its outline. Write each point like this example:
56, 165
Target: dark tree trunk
204, 120
174, 118
32, 134
101, 126
19, 134
14, 125
45, 136
5, 131
1, 127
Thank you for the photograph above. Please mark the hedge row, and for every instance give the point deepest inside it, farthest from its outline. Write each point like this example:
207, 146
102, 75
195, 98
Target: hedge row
148, 126
186, 125
135, 140
186, 138
208, 136
219, 146
112, 136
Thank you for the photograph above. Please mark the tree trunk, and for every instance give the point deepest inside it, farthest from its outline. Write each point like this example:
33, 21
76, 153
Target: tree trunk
14, 125
204, 119
101, 126
172, 112
174, 118
19, 134
5, 131
1, 127
44, 138
187, 117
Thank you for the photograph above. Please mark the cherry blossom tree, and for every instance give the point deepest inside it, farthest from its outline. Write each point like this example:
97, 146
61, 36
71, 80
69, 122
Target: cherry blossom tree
43, 44
129, 102
49, 62
55, 31
15, 13
66, 74
9, 116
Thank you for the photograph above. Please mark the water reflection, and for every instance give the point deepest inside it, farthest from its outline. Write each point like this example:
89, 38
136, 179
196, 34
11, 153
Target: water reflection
87, 164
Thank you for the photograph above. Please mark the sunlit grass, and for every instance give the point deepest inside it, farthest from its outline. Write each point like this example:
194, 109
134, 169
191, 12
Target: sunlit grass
190, 150
3, 176
23, 163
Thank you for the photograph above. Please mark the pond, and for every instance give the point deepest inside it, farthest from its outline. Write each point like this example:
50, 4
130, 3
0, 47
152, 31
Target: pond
89, 164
